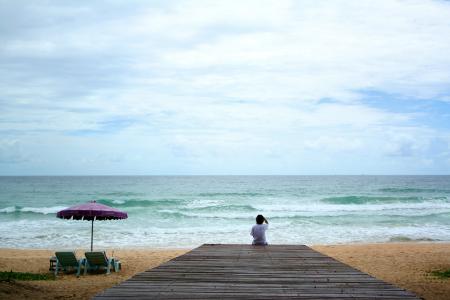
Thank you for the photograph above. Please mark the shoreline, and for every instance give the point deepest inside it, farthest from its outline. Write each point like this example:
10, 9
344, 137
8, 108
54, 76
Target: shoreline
153, 248
404, 264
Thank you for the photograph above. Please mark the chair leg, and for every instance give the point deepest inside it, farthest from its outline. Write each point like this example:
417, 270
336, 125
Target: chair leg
113, 264
108, 268
56, 267
80, 262
86, 266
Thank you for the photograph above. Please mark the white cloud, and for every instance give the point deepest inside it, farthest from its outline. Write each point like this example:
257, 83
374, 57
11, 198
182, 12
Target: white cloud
11, 152
333, 143
198, 81
330, 49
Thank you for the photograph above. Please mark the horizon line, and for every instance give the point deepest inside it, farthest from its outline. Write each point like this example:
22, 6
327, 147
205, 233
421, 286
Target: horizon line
207, 175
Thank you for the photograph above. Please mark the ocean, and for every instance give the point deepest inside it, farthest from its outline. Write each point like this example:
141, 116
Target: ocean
187, 211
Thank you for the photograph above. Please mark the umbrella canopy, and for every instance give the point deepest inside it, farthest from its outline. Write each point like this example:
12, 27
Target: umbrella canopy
91, 211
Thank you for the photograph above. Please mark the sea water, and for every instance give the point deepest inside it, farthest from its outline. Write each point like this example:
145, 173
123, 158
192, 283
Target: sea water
187, 211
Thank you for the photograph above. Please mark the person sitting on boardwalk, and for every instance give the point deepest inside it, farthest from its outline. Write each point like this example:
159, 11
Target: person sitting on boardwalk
259, 231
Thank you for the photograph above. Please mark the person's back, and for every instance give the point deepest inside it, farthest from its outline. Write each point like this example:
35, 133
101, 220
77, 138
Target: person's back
259, 231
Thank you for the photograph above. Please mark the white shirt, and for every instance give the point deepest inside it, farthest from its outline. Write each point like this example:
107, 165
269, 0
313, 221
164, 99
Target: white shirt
259, 234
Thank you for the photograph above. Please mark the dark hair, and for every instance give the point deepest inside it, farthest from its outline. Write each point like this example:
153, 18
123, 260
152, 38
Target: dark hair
259, 219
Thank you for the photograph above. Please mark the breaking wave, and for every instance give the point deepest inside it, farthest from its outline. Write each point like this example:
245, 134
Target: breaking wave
372, 200
141, 203
32, 210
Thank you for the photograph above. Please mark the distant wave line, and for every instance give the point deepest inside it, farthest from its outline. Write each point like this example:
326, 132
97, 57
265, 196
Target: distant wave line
378, 199
414, 190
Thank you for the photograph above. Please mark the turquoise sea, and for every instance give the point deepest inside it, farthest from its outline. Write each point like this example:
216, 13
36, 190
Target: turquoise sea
186, 211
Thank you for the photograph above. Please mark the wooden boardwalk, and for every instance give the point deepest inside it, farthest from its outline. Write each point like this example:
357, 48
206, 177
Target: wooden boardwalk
254, 272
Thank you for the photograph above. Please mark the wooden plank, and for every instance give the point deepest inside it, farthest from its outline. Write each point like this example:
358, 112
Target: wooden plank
254, 272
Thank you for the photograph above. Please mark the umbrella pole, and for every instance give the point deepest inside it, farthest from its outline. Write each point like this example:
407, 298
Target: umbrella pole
92, 235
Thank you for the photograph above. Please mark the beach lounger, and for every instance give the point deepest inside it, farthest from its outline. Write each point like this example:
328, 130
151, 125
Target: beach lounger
98, 260
68, 261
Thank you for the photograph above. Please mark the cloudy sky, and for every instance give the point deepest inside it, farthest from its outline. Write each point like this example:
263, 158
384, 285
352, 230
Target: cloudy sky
224, 87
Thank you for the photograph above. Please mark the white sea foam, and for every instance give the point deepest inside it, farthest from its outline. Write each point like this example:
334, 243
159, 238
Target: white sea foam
10, 209
43, 210
319, 209
118, 201
311, 210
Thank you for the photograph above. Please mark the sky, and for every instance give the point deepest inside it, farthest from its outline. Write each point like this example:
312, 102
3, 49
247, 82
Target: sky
224, 87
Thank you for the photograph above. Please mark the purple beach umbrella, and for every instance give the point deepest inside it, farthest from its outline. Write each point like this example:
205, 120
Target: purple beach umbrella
91, 211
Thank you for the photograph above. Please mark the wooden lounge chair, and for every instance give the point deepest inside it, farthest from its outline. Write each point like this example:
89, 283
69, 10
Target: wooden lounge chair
68, 261
98, 260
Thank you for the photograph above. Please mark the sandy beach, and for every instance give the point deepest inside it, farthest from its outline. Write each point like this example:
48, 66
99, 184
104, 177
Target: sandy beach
406, 265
